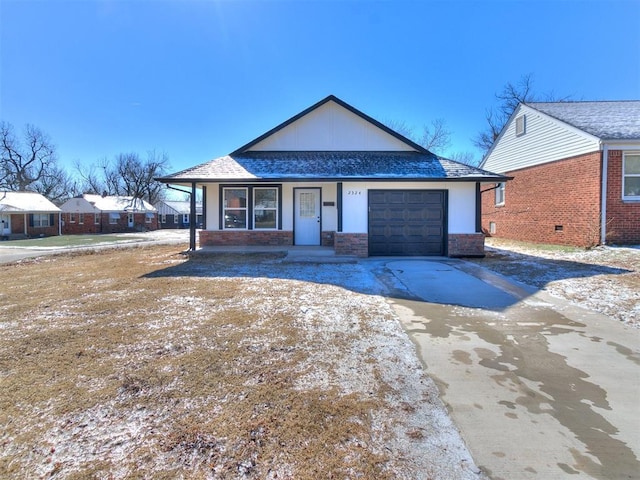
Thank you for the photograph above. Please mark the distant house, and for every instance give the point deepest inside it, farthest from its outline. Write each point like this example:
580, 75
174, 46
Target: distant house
27, 214
107, 214
176, 214
576, 174
333, 176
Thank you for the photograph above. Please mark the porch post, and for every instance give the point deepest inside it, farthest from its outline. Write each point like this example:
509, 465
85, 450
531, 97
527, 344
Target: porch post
192, 219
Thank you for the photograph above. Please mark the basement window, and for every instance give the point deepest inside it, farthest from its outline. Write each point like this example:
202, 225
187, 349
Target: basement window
521, 125
559, 228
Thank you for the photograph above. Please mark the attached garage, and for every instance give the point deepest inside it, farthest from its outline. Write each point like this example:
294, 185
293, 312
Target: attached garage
407, 222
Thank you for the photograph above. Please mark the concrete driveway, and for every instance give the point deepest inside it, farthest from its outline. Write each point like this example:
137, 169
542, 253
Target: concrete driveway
540, 389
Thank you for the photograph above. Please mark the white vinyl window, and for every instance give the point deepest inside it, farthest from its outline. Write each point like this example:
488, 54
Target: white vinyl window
72, 218
175, 219
265, 208
114, 218
631, 176
500, 193
96, 218
41, 220
235, 207
81, 218
148, 217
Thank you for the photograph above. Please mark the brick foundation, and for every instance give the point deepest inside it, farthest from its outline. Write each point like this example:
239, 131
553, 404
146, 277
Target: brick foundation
245, 237
352, 244
466, 245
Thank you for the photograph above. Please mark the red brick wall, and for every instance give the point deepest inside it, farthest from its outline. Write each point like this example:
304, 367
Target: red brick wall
245, 237
18, 222
466, 245
623, 218
122, 225
352, 244
565, 193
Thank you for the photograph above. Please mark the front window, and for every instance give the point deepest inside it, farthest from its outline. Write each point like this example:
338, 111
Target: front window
631, 176
235, 207
81, 218
148, 218
40, 219
96, 218
265, 208
114, 218
72, 218
500, 193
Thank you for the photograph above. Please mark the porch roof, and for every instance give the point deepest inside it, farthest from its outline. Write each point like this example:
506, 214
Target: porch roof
331, 166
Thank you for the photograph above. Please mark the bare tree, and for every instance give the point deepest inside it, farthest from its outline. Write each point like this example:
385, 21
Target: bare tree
126, 175
435, 137
508, 100
30, 163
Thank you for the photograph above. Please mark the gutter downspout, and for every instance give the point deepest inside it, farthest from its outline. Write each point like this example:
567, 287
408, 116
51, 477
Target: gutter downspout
603, 193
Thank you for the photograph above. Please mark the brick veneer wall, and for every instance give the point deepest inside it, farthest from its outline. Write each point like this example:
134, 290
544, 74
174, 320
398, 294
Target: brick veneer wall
565, 193
466, 245
17, 226
623, 218
245, 237
122, 225
352, 244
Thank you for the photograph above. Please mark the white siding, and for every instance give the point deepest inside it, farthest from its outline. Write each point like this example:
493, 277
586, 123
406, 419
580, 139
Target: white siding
462, 200
331, 127
545, 140
78, 205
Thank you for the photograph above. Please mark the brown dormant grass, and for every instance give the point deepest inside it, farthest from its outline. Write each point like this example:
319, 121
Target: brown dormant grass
143, 363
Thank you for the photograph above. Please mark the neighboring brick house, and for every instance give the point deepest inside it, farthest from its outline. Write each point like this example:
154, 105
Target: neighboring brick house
333, 176
176, 214
27, 214
107, 214
576, 174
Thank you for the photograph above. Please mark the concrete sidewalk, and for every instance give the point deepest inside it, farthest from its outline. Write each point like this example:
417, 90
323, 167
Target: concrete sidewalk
540, 388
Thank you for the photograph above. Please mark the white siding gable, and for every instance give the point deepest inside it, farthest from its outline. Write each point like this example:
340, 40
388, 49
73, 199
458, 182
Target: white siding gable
331, 127
545, 140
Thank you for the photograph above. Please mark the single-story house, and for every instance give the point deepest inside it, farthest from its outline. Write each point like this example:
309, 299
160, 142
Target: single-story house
333, 176
27, 214
90, 213
177, 214
576, 174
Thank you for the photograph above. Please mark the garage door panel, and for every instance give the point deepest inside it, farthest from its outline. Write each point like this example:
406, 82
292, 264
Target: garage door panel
406, 222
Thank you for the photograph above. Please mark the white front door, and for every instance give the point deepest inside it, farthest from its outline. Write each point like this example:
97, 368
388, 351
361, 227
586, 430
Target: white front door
5, 224
130, 220
307, 216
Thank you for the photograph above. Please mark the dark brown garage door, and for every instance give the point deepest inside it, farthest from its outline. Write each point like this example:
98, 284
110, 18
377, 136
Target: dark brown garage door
407, 222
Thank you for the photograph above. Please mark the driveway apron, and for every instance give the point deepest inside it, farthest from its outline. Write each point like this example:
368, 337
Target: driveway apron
540, 388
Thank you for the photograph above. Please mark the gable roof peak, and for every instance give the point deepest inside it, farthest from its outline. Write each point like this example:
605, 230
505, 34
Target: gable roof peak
346, 106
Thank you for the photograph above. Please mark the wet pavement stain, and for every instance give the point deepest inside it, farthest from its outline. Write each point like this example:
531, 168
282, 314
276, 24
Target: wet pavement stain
522, 357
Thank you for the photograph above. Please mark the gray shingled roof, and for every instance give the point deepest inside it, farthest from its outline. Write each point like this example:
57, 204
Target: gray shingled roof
606, 120
331, 166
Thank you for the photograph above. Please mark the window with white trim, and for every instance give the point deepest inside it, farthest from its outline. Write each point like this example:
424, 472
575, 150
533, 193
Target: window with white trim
96, 219
114, 218
631, 176
41, 220
265, 208
175, 218
81, 218
235, 207
500, 193
148, 217
521, 125
72, 218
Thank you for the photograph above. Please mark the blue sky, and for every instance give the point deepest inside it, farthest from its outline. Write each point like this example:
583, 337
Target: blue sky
198, 79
